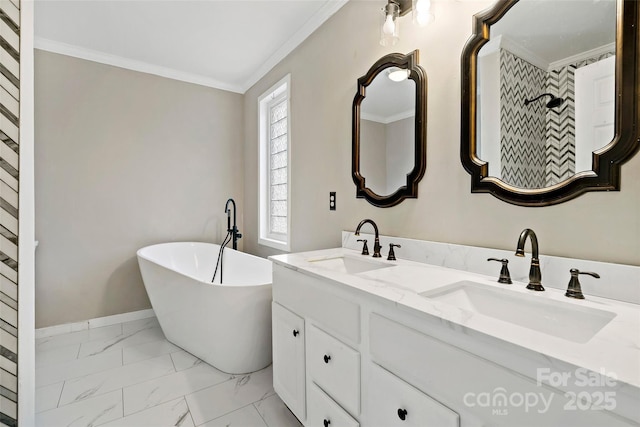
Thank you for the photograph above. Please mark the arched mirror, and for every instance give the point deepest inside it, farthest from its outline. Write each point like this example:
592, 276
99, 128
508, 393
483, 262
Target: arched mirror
390, 130
550, 98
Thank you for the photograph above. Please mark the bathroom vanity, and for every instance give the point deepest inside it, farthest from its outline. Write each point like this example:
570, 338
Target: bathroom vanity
370, 342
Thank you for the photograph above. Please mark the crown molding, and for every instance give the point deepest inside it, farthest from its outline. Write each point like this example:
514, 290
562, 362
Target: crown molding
324, 13
130, 64
582, 56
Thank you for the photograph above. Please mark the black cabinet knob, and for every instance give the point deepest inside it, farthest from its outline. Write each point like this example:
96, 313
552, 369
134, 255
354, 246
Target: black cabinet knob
295, 333
327, 358
402, 413
326, 422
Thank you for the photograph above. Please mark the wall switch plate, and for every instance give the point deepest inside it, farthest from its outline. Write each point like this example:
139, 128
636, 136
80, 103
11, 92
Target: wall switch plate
332, 200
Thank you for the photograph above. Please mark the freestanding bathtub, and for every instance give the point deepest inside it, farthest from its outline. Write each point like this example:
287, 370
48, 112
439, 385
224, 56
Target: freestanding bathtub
227, 325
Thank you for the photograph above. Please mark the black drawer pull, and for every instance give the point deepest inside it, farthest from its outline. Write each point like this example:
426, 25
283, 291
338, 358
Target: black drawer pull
326, 422
327, 358
295, 333
402, 413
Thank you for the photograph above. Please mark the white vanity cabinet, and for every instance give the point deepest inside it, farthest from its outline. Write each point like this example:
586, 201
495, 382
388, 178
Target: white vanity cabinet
317, 372
363, 360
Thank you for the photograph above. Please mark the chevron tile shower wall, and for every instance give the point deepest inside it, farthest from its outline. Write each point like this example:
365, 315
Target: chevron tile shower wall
522, 142
537, 143
9, 149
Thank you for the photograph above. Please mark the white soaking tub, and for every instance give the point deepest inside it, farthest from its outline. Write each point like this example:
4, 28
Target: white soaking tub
227, 325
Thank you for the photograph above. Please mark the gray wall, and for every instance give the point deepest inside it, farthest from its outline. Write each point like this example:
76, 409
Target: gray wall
324, 70
123, 160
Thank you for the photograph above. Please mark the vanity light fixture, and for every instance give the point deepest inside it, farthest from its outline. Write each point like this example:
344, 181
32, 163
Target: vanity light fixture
389, 30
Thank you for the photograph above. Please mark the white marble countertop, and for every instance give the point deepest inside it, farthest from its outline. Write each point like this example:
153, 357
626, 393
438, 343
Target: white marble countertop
613, 351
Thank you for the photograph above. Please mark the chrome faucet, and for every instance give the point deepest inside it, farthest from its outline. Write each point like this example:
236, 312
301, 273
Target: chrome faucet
535, 275
235, 233
376, 243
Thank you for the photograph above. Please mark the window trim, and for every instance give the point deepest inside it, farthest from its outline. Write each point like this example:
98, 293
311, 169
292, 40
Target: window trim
282, 89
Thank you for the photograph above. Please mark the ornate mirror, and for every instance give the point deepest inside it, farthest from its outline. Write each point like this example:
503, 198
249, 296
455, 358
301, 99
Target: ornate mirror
550, 98
389, 130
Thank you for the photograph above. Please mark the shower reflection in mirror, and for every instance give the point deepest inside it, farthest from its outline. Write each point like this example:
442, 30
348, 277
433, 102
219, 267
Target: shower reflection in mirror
544, 108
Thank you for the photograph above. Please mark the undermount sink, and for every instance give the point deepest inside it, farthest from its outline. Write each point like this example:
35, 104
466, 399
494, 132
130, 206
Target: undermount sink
349, 265
567, 321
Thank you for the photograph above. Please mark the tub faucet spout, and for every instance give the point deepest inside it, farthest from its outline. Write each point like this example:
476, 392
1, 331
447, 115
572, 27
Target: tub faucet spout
535, 275
376, 243
233, 230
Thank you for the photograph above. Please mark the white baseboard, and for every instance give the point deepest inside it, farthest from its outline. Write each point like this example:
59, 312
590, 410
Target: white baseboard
93, 323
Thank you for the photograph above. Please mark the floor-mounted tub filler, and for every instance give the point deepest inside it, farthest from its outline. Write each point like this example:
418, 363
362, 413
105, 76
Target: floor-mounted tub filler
227, 325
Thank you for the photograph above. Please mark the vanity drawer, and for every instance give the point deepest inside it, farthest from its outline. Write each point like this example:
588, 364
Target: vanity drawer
393, 402
335, 367
462, 380
324, 412
315, 299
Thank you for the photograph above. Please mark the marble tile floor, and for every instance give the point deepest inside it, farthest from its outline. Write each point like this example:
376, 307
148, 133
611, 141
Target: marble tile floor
129, 375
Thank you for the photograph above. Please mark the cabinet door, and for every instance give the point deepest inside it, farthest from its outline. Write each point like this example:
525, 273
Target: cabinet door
392, 402
288, 359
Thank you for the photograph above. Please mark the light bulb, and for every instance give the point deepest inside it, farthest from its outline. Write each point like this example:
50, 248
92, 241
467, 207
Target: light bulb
423, 18
422, 15
389, 26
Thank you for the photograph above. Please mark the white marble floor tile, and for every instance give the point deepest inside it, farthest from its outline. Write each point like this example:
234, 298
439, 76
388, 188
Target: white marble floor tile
139, 325
82, 388
88, 413
47, 397
244, 417
275, 413
183, 360
79, 337
57, 355
53, 373
147, 351
213, 402
127, 339
173, 413
154, 392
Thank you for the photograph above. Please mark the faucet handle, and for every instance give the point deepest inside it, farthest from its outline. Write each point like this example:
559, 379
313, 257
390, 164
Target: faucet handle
392, 255
365, 249
574, 290
505, 276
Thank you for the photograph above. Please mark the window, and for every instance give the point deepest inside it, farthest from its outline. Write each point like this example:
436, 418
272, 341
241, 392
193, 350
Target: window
275, 155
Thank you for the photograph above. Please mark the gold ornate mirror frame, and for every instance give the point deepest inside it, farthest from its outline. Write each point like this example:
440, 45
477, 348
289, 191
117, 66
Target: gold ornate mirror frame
606, 162
419, 76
